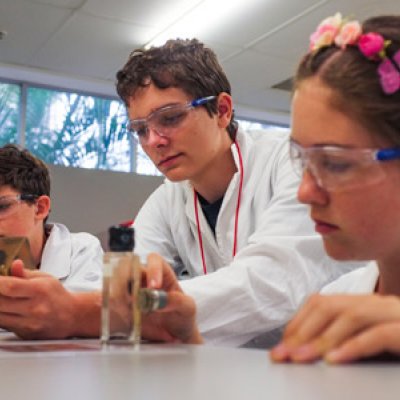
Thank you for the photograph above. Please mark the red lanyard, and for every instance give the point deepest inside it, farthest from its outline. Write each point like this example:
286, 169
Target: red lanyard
196, 211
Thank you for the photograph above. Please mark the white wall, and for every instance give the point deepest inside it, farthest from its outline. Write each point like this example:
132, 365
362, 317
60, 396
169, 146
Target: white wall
92, 200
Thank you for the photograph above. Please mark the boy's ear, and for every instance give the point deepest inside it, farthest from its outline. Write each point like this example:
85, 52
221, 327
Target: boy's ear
43, 204
225, 109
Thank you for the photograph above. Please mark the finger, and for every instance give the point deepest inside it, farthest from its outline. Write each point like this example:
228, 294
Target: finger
349, 316
13, 287
176, 322
372, 341
308, 352
17, 268
358, 317
14, 306
159, 274
341, 327
29, 274
280, 353
180, 303
291, 338
361, 314
293, 326
154, 271
305, 338
11, 322
319, 313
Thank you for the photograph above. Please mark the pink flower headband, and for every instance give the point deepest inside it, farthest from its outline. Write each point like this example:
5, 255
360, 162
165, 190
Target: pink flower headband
341, 33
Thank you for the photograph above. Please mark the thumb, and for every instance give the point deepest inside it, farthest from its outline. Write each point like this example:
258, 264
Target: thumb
18, 270
180, 303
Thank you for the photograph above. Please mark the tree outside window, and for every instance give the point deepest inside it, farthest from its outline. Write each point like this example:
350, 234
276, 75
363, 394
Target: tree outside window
76, 130
9, 113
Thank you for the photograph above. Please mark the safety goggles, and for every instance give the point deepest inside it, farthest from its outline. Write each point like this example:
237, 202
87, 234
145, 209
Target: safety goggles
335, 168
164, 121
8, 203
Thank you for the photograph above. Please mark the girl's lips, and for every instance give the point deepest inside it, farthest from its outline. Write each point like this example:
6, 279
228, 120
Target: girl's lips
323, 228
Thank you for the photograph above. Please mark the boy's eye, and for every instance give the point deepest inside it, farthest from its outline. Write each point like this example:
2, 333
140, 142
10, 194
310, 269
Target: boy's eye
141, 130
171, 118
5, 206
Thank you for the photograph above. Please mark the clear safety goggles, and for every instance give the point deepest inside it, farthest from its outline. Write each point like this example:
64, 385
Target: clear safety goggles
335, 168
8, 204
165, 120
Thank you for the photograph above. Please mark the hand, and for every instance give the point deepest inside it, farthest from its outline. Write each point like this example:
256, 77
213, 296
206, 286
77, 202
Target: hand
177, 321
341, 329
35, 305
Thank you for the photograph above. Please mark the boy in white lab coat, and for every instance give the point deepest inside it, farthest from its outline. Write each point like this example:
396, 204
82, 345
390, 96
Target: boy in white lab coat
39, 305
227, 212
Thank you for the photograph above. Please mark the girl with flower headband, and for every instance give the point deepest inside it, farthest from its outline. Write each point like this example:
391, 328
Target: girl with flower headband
345, 143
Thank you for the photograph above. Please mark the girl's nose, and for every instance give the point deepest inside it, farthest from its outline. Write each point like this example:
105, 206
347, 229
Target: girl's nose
310, 192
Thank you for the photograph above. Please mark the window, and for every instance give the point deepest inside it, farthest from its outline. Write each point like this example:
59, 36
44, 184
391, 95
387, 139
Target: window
75, 129
260, 126
9, 113
144, 165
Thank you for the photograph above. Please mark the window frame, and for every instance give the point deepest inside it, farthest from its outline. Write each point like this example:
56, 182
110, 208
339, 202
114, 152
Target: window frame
135, 152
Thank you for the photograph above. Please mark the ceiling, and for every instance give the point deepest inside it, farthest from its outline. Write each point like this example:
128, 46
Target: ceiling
80, 44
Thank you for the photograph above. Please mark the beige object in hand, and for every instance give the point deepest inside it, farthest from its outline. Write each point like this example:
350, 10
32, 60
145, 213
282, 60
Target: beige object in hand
14, 248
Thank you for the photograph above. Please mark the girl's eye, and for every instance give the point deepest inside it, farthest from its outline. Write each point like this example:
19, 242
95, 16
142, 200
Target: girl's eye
337, 166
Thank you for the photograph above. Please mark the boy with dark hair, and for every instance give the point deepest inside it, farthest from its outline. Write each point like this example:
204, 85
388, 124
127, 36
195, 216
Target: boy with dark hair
68, 262
227, 212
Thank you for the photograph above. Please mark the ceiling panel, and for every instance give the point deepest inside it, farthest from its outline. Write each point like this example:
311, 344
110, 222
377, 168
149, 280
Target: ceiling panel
291, 42
29, 26
375, 7
57, 3
267, 100
154, 13
221, 50
90, 46
254, 69
253, 23
89, 40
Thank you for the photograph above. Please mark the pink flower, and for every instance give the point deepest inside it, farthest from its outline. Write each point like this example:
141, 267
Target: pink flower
389, 77
371, 44
348, 34
322, 38
338, 32
335, 21
326, 32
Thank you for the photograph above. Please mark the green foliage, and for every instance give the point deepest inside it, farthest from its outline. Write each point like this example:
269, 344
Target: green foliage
73, 130
67, 128
9, 99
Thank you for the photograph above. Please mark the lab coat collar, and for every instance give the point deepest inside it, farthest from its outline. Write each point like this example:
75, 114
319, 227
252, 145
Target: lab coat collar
57, 251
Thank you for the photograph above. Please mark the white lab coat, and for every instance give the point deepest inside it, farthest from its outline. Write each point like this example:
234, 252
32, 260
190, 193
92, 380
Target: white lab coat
73, 258
359, 281
280, 259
